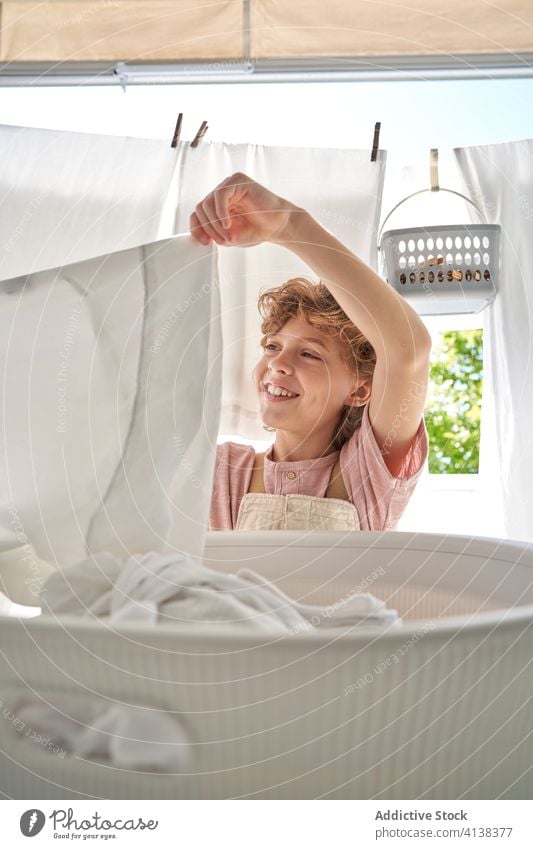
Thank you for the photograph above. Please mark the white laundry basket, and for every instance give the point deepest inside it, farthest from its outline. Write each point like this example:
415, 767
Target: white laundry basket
445, 269
438, 709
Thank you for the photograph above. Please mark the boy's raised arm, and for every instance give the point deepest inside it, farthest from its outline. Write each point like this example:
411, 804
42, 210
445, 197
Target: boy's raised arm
242, 212
397, 334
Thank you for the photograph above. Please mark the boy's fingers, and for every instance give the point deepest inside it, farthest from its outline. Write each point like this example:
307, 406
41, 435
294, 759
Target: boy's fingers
197, 231
206, 225
222, 198
209, 208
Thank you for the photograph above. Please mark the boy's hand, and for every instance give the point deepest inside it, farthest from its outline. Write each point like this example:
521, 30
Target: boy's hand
240, 211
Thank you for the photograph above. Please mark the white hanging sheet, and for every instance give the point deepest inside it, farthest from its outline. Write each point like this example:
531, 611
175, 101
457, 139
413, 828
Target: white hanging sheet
70, 196
111, 387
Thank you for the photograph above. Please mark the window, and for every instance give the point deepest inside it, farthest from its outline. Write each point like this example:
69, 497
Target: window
454, 402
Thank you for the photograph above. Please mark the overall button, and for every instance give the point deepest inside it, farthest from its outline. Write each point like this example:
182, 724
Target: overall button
291, 475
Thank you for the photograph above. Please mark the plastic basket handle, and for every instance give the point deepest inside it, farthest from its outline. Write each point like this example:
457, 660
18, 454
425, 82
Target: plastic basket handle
421, 192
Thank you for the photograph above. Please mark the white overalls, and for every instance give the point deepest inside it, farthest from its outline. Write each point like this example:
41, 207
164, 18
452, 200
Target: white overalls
261, 511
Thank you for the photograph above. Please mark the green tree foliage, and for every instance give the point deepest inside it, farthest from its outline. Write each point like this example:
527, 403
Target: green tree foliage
453, 407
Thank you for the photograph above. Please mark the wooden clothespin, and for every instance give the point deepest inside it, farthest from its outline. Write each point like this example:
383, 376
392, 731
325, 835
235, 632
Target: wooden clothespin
200, 134
177, 131
375, 143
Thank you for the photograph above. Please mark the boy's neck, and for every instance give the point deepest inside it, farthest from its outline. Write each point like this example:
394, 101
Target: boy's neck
291, 448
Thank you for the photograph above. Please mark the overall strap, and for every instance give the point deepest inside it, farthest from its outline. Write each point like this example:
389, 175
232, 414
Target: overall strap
336, 488
257, 481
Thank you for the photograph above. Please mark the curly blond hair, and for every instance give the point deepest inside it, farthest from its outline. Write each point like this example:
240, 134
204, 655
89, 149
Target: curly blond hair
314, 303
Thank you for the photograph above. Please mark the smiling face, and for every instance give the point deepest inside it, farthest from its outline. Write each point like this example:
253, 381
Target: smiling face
304, 383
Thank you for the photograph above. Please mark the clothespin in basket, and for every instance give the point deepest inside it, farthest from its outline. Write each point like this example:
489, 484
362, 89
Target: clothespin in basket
200, 134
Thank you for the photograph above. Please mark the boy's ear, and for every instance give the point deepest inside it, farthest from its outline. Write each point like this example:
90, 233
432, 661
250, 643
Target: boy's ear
360, 394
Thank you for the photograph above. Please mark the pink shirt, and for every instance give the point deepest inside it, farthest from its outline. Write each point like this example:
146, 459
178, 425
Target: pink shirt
379, 496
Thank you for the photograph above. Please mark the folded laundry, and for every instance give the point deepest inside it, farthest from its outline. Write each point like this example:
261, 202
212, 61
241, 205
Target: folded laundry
154, 588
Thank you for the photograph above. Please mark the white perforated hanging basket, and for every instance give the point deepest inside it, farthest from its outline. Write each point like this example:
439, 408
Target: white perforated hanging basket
442, 269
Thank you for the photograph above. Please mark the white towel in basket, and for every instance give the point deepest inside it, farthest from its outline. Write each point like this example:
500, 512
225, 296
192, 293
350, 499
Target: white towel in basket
177, 588
362, 608
126, 736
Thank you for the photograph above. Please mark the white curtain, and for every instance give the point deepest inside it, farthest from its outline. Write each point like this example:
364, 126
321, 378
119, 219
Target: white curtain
447, 503
111, 372
341, 188
500, 178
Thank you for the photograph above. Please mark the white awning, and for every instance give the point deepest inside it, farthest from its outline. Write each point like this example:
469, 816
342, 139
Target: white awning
185, 30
